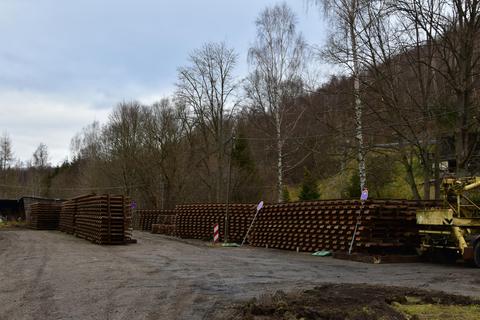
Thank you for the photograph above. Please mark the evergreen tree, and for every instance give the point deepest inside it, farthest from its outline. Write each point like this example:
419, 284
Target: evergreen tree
241, 155
285, 195
353, 190
309, 189
245, 181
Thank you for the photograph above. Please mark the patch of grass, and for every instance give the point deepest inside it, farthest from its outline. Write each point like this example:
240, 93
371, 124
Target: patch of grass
439, 312
11, 224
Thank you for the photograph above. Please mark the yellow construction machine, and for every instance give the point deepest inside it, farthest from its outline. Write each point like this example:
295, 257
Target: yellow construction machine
454, 230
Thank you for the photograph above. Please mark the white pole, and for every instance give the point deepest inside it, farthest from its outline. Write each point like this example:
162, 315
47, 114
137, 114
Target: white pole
259, 207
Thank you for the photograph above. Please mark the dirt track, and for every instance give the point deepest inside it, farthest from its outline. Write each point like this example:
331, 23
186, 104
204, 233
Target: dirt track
51, 275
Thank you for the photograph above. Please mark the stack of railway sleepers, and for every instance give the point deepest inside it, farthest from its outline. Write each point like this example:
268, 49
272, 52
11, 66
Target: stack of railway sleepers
44, 216
67, 217
166, 229
103, 219
196, 221
165, 223
391, 226
383, 225
146, 218
167, 218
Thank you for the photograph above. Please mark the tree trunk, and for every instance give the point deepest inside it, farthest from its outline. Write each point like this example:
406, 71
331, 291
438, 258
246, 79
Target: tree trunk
362, 171
437, 169
463, 97
426, 179
219, 177
279, 157
219, 156
462, 135
410, 177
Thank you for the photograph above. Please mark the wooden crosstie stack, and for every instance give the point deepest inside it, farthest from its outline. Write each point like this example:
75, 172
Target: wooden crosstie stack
383, 225
101, 219
166, 229
196, 221
390, 225
67, 217
45, 216
146, 218
165, 223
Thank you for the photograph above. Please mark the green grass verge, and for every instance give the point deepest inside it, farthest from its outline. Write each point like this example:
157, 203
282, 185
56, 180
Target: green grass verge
11, 224
437, 312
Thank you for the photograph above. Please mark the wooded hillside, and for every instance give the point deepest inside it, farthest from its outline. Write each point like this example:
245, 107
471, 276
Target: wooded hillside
401, 113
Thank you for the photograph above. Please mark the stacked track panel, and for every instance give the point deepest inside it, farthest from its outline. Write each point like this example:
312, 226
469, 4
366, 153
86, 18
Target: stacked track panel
67, 217
146, 218
103, 219
329, 225
196, 221
45, 216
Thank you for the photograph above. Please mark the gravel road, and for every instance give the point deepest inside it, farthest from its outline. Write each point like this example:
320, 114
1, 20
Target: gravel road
52, 275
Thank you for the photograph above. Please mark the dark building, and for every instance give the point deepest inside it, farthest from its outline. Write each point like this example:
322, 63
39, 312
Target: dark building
20, 209
10, 209
25, 203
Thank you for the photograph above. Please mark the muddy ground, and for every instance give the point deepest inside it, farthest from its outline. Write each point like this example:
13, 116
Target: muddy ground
52, 275
353, 302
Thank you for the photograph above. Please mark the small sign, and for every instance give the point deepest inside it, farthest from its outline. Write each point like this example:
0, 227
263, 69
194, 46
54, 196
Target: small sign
364, 195
260, 206
134, 205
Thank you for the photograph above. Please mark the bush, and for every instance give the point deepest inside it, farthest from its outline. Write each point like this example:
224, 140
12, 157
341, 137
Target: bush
309, 190
353, 190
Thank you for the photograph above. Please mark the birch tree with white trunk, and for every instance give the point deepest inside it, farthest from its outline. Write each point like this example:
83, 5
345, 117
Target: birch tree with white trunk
343, 50
277, 57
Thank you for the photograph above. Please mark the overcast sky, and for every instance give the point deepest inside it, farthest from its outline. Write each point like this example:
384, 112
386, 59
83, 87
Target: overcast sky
64, 64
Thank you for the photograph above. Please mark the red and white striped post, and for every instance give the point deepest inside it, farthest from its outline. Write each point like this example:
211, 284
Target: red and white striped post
216, 233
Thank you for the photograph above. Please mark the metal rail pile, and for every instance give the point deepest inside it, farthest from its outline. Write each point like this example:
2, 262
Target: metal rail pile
44, 216
67, 217
196, 221
329, 225
102, 219
146, 218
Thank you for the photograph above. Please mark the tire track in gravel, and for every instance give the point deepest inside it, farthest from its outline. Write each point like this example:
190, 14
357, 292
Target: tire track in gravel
162, 278
28, 260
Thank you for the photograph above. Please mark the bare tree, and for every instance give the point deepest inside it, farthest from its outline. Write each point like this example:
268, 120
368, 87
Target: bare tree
277, 57
87, 143
397, 87
452, 28
207, 87
6, 154
124, 139
6, 157
40, 156
88, 155
165, 140
343, 49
